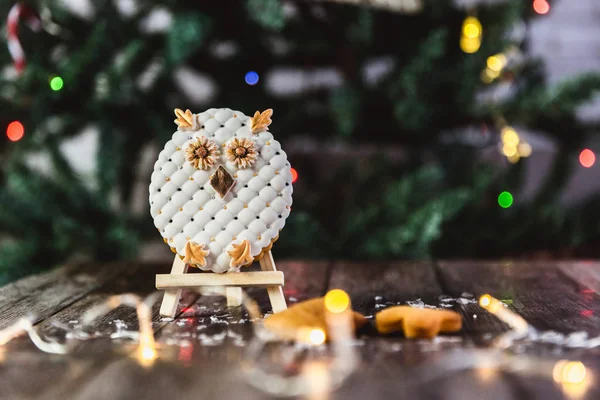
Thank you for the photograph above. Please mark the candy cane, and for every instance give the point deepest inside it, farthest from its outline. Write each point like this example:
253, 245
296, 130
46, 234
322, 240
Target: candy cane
18, 11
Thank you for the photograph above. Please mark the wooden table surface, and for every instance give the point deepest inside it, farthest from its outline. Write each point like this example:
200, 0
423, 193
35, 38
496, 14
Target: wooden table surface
200, 351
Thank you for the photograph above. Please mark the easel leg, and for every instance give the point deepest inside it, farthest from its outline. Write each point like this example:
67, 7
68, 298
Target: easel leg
275, 292
170, 301
234, 296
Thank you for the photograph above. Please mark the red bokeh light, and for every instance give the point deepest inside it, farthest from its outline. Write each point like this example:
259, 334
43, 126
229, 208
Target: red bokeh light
15, 131
294, 175
541, 6
587, 158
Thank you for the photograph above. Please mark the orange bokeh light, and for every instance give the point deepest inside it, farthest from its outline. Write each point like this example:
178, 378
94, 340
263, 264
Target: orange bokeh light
294, 175
587, 158
541, 6
15, 131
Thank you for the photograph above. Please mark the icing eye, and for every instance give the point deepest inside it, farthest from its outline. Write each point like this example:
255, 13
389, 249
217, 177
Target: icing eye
202, 153
242, 152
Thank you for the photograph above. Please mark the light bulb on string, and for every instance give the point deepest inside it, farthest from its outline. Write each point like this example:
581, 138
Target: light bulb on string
513, 147
15, 131
513, 159
541, 6
510, 137
56, 83
587, 158
337, 301
471, 28
509, 150
251, 78
294, 175
524, 149
469, 46
505, 199
496, 62
470, 40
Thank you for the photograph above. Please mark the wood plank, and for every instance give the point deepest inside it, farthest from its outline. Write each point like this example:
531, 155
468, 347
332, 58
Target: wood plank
303, 280
191, 361
585, 273
540, 292
87, 358
137, 278
200, 352
41, 297
24, 287
240, 279
373, 286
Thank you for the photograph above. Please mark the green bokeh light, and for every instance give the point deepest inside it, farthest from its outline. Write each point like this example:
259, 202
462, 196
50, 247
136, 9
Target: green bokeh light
505, 199
56, 83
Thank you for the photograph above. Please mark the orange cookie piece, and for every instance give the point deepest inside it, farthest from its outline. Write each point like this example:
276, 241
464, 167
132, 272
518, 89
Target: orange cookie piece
306, 314
417, 322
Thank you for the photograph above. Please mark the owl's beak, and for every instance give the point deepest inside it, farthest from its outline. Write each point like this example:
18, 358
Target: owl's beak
222, 181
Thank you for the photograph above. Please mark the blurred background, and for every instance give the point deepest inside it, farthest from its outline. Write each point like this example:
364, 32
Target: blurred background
418, 128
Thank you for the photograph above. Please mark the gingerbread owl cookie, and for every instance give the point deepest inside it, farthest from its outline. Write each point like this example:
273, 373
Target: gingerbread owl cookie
221, 189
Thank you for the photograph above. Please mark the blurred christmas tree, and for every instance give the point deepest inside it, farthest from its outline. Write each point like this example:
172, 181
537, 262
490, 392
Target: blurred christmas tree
420, 82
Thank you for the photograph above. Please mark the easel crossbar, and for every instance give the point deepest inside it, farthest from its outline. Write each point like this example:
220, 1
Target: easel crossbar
240, 279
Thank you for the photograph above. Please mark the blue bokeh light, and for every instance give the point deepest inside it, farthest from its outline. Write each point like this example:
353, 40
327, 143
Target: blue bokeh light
251, 78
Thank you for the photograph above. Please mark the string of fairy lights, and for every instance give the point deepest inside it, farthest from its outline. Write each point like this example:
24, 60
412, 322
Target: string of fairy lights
511, 144
325, 358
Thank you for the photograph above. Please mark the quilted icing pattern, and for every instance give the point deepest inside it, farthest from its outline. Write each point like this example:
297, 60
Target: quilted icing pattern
186, 207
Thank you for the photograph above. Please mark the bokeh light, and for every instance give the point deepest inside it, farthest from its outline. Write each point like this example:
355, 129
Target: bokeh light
470, 40
509, 150
505, 199
587, 158
311, 335
524, 149
469, 46
497, 62
251, 78
317, 337
541, 6
294, 175
485, 300
337, 301
56, 83
514, 158
146, 356
569, 372
15, 131
471, 28
510, 137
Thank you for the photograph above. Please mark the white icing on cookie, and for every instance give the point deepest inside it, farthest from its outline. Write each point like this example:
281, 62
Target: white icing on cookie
185, 206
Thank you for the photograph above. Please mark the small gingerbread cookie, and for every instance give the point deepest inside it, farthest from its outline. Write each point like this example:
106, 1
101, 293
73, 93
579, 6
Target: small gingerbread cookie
417, 322
221, 189
306, 314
